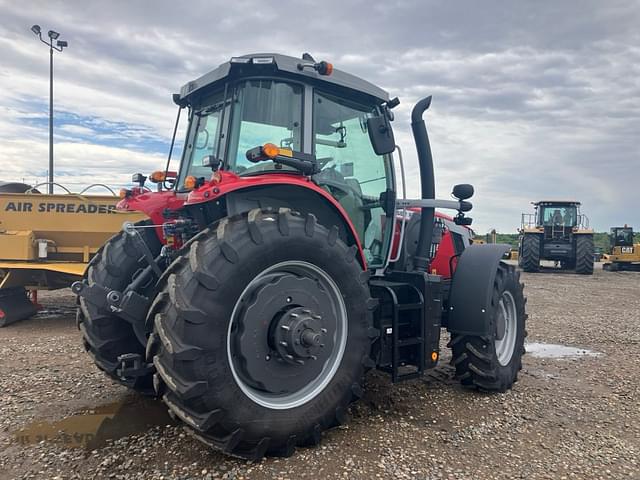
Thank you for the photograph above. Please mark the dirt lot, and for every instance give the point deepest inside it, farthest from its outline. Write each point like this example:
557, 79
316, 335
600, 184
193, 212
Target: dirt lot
574, 416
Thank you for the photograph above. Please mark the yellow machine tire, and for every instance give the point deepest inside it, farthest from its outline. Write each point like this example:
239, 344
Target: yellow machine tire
584, 254
529, 260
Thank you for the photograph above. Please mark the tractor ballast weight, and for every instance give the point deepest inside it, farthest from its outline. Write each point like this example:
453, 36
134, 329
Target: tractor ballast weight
279, 264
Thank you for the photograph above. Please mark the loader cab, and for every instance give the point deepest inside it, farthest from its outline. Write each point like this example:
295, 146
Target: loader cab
270, 99
621, 237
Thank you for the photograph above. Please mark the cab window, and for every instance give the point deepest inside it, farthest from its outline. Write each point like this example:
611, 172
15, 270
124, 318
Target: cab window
351, 170
559, 216
264, 111
203, 137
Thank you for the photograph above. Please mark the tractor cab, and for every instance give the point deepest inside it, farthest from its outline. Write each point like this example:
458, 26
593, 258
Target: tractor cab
558, 219
275, 115
557, 232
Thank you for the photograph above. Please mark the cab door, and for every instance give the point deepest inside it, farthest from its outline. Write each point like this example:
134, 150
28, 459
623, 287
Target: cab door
352, 172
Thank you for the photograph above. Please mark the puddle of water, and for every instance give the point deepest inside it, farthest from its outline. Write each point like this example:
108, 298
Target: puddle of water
92, 428
52, 311
552, 350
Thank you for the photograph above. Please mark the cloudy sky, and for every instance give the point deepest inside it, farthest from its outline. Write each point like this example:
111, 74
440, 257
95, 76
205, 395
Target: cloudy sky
531, 100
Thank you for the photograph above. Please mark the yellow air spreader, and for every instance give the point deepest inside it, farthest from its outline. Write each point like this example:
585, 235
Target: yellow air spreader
47, 241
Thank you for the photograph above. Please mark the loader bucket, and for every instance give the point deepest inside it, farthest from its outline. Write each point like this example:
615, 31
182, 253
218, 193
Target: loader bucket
15, 305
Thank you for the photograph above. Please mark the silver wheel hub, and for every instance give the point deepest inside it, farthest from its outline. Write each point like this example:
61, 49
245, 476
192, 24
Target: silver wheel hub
287, 335
506, 328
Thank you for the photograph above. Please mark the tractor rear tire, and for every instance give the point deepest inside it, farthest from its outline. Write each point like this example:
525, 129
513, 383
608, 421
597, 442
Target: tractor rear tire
222, 367
530, 258
492, 362
107, 336
584, 254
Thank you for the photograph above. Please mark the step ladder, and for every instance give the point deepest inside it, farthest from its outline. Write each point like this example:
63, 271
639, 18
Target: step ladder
406, 328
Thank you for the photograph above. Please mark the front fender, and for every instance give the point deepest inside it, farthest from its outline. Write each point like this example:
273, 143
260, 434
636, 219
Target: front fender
469, 303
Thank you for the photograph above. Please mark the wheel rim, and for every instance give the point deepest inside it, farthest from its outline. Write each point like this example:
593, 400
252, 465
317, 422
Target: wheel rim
287, 335
506, 328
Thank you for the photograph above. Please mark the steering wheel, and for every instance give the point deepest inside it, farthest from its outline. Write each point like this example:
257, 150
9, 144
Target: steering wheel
322, 162
206, 141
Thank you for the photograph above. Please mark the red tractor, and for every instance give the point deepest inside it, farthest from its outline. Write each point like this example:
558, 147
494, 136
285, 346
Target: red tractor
279, 264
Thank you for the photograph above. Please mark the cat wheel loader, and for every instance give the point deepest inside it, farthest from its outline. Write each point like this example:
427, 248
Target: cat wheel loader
623, 253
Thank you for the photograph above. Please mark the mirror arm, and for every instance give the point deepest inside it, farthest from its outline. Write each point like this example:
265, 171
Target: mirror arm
434, 203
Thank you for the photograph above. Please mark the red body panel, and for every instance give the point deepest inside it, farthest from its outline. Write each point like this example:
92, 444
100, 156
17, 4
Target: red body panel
153, 204
440, 264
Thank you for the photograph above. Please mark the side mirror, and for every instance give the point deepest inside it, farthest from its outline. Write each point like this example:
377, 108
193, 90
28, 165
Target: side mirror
212, 162
463, 191
381, 135
139, 179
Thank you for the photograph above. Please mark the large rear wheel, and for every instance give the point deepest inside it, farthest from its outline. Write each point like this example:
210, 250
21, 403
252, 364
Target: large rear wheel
262, 333
105, 335
492, 362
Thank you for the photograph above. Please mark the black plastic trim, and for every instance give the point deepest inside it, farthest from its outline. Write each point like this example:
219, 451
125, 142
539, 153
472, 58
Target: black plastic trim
471, 289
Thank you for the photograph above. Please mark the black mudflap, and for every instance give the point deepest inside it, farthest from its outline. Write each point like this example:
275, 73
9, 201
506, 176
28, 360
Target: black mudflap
15, 305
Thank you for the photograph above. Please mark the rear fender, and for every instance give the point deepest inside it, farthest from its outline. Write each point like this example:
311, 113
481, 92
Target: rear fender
469, 303
303, 198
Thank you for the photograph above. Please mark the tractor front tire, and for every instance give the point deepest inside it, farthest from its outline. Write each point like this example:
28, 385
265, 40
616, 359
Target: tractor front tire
492, 362
105, 335
263, 332
530, 258
584, 254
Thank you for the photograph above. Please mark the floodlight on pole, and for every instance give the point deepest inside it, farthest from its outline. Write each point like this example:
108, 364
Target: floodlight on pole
60, 45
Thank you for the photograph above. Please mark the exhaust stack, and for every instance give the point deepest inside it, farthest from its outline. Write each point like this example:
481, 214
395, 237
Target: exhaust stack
427, 184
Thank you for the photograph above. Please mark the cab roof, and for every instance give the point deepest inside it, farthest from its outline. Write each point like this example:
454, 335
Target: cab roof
273, 63
556, 202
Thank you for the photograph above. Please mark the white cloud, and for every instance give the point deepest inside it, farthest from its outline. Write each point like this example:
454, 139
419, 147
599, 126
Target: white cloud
530, 100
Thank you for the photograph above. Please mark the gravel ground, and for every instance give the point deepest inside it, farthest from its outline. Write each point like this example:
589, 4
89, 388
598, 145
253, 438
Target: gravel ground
576, 417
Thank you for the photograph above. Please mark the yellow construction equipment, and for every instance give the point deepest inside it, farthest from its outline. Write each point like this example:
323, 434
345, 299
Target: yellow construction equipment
558, 232
492, 238
46, 242
623, 253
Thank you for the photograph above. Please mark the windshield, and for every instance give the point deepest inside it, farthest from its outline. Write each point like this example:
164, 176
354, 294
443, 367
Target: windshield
203, 137
558, 215
264, 111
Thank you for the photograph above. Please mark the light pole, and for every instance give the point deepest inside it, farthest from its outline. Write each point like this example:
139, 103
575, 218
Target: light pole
59, 46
